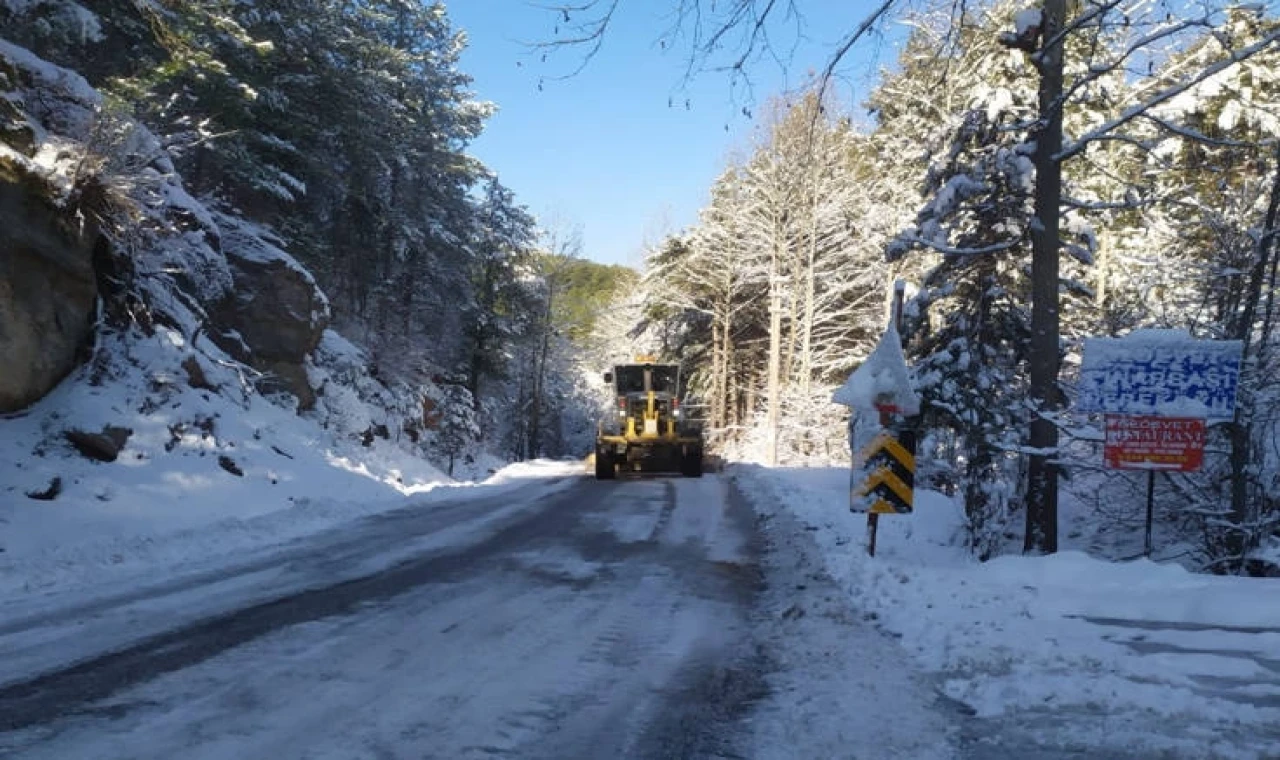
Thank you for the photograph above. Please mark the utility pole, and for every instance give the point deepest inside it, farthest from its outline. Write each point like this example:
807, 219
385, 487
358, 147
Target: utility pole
1042, 472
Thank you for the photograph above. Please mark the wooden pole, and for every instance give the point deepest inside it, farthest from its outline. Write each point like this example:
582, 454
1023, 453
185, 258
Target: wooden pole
1042, 467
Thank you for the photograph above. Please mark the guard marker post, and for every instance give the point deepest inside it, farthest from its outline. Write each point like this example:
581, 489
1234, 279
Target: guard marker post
882, 383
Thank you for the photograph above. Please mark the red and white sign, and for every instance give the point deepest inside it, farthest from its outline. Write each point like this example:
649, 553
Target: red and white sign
1154, 443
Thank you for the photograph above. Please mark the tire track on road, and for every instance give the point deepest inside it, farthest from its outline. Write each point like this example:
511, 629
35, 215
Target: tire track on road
53, 695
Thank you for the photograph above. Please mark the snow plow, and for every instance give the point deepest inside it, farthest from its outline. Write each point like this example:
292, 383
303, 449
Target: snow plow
647, 430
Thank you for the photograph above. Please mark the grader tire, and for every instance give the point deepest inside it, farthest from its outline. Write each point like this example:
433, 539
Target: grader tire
691, 464
604, 467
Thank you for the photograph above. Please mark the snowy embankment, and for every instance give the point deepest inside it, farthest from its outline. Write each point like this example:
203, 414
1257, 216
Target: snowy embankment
1084, 654
165, 535
203, 478
179, 439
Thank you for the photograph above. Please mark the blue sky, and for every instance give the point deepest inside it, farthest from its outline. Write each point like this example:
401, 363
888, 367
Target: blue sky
602, 150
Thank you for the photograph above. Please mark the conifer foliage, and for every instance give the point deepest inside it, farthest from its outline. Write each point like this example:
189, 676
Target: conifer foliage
341, 128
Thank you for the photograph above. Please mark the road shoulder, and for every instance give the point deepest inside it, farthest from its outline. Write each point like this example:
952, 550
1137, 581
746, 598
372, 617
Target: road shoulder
838, 687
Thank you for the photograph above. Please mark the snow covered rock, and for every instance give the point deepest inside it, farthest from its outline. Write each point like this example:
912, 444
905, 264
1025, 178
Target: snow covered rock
102, 447
15, 132
275, 314
186, 266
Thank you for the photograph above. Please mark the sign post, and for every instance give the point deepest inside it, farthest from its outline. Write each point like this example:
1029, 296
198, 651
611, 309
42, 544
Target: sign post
883, 472
1158, 389
1151, 513
1154, 443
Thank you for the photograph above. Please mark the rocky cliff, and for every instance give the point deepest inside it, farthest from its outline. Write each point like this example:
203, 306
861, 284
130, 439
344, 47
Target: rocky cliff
92, 215
47, 288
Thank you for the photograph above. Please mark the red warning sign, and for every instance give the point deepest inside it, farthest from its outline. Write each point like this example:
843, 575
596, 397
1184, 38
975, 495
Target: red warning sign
1154, 443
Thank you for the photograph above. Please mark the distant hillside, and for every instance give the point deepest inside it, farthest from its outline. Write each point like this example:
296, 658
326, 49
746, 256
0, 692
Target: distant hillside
589, 288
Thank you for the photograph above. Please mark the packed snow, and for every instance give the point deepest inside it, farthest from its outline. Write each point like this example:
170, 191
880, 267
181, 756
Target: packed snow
882, 380
1026, 20
1109, 659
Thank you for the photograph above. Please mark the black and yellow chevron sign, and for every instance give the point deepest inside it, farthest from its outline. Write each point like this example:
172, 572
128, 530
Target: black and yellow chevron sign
891, 473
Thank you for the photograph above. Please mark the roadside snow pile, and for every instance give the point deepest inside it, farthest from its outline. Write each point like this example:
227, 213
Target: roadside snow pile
201, 476
192, 460
1097, 656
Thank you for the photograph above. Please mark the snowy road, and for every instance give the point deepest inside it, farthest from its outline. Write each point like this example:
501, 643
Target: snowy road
644, 618
598, 620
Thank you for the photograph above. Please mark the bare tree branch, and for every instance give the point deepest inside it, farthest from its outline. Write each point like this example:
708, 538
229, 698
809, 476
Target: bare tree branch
1140, 45
710, 27
848, 42
590, 33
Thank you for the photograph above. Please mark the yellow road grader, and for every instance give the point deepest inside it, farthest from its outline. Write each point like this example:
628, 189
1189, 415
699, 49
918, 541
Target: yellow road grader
647, 430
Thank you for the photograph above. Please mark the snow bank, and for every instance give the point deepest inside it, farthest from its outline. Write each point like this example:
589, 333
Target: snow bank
195, 461
1137, 641
170, 498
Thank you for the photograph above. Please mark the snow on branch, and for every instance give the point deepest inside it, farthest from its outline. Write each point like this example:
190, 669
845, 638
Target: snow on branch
1195, 135
1093, 16
909, 241
1080, 204
1137, 46
1236, 56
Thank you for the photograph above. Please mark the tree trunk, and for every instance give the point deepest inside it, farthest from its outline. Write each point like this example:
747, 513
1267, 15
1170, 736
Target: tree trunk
810, 291
474, 364
790, 350
536, 401
1042, 471
724, 398
715, 399
1242, 425
731, 400
1102, 266
775, 357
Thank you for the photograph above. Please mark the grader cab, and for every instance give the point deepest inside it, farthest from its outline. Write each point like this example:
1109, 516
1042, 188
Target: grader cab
647, 430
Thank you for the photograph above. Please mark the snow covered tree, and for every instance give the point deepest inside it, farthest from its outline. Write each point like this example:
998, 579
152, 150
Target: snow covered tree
1213, 220
340, 127
1095, 43
549, 347
969, 330
1100, 73
706, 289
502, 302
